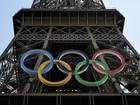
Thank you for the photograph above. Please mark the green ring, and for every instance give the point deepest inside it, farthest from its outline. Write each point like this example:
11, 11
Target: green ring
88, 83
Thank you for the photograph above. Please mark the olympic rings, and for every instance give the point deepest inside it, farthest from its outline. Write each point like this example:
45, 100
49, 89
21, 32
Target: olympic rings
73, 51
89, 83
35, 51
107, 51
97, 65
58, 83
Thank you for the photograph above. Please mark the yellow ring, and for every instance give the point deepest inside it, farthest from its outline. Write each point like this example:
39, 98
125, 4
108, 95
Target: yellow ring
58, 83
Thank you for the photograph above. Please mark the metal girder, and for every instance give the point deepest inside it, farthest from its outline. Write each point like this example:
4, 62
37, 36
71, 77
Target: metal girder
64, 100
70, 33
39, 60
41, 17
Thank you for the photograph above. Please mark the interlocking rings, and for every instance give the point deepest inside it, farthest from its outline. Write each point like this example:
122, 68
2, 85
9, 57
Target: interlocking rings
76, 52
100, 67
36, 51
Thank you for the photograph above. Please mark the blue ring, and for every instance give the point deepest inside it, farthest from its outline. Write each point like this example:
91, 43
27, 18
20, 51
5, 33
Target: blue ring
32, 71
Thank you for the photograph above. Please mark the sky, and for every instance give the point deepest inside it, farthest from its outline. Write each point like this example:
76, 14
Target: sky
129, 8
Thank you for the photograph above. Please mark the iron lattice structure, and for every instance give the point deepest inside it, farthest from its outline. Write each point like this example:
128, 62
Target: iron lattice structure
68, 4
58, 25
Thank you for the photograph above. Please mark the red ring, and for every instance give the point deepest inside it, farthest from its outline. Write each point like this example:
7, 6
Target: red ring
108, 51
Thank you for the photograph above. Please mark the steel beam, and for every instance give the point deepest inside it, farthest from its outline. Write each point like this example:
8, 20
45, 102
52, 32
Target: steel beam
40, 58
118, 88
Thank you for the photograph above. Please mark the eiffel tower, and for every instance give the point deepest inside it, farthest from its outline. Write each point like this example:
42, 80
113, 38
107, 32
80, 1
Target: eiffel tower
62, 25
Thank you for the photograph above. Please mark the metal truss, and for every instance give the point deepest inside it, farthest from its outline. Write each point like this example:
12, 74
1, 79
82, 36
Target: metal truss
68, 4
58, 25
13, 80
69, 33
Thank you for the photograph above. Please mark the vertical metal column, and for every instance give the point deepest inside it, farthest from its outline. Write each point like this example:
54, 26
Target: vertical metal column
40, 58
8, 77
58, 100
117, 86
